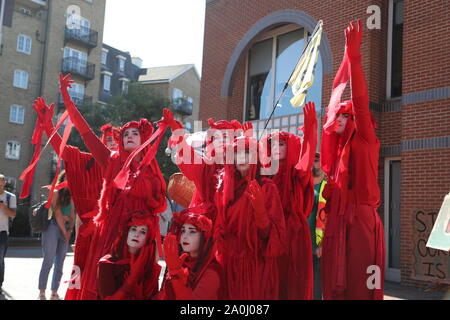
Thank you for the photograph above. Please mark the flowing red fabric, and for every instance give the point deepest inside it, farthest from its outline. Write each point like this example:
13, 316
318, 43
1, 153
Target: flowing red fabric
248, 254
354, 238
144, 190
204, 172
204, 274
296, 190
28, 173
114, 269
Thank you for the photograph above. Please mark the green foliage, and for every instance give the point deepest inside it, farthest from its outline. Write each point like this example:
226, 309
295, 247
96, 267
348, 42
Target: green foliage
139, 102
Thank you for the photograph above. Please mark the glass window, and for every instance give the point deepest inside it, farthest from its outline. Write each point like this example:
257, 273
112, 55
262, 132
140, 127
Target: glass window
17, 114
277, 55
24, 44
121, 63
106, 82
397, 49
125, 86
104, 57
12, 150
20, 79
77, 93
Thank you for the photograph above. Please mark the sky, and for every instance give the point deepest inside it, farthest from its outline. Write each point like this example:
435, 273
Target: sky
160, 32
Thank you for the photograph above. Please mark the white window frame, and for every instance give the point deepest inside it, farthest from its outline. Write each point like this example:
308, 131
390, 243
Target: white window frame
25, 39
273, 34
104, 56
121, 62
21, 78
9, 155
124, 85
109, 75
16, 119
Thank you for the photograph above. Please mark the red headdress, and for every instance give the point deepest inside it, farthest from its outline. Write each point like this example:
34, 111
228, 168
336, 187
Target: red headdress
282, 177
145, 130
194, 216
147, 286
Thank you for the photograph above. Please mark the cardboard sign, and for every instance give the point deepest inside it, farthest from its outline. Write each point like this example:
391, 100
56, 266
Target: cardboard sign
440, 235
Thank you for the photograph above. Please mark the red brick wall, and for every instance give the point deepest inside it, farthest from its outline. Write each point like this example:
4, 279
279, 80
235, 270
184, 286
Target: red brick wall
426, 65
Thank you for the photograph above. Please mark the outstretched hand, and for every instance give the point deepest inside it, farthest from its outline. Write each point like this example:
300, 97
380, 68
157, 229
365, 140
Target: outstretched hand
309, 112
170, 121
173, 261
258, 202
42, 109
353, 39
65, 81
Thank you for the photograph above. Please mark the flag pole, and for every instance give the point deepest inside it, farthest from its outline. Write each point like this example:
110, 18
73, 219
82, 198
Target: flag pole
287, 82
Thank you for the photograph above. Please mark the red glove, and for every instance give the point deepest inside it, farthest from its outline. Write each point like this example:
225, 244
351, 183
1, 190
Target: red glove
257, 196
171, 122
173, 262
75, 115
309, 144
353, 39
44, 112
138, 265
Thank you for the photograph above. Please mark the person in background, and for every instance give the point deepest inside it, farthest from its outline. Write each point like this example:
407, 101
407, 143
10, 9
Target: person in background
7, 211
316, 222
55, 239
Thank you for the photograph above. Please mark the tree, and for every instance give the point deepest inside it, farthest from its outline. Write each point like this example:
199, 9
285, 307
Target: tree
139, 102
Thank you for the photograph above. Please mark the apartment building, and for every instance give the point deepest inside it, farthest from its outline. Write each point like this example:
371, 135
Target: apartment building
40, 39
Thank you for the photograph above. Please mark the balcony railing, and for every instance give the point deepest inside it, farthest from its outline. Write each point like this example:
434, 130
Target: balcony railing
78, 99
82, 35
183, 106
79, 67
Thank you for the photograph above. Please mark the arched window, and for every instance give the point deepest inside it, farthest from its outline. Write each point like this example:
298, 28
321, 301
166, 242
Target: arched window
270, 62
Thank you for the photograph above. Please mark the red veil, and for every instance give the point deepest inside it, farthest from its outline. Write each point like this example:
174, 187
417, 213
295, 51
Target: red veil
113, 280
248, 254
204, 274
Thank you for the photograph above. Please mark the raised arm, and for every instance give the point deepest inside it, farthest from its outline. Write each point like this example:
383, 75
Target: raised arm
99, 151
360, 98
46, 113
309, 144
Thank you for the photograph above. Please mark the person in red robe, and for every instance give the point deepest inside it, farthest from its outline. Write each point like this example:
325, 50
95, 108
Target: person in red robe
250, 229
131, 271
353, 245
140, 187
295, 185
196, 274
203, 169
84, 178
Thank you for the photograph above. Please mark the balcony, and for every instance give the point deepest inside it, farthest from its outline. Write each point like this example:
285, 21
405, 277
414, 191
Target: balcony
183, 106
81, 35
77, 98
33, 4
79, 67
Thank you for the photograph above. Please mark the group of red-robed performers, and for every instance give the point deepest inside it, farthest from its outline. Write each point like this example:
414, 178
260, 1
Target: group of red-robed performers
245, 233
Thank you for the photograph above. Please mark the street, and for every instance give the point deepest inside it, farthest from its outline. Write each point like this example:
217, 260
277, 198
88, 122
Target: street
22, 266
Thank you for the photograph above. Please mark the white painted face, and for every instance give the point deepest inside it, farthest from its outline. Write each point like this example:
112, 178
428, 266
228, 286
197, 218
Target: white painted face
190, 239
279, 149
131, 139
137, 236
111, 144
242, 161
341, 122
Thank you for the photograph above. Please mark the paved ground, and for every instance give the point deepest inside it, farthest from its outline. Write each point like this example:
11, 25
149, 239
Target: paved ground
23, 266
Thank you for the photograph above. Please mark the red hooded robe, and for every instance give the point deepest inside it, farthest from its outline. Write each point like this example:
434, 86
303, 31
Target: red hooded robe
247, 253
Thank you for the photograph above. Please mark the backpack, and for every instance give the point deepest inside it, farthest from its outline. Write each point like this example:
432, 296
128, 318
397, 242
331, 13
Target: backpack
39, 221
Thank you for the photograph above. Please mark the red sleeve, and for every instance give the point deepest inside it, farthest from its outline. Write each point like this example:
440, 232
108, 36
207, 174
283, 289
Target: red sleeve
106, 282
189, 162
99, 151
360, 100
207, 287
274, 237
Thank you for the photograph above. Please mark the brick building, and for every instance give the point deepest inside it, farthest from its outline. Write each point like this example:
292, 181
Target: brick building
251, 46
118, 69
181, 85
40, 39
